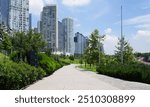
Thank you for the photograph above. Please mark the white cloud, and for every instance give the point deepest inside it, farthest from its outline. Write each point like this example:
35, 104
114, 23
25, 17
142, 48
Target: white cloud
75, 3
110, 41
138, 20
46, 2
143, 26
108, 31
143, 35
36, 7
141, 41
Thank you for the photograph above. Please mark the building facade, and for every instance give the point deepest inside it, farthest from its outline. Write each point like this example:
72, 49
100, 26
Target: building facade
30, 21
81, 43
19, 15
61, 38
49, 27
39, 23
4, 12
68, 32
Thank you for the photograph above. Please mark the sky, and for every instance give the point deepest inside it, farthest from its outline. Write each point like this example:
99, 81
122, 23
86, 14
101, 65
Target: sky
104, 15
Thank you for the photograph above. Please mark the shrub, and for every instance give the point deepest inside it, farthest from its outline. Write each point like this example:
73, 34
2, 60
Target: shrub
132, 72
71, 58
17, 76
48, 63
14, 56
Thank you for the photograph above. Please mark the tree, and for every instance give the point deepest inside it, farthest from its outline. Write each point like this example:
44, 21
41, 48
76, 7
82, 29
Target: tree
92, 53
34, 41
5, 42
27, 44
128, 55
19, 42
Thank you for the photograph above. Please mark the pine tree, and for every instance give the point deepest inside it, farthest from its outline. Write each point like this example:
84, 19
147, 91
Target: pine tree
128, 56
91, 54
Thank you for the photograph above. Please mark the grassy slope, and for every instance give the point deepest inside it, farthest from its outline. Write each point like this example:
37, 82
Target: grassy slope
3, 58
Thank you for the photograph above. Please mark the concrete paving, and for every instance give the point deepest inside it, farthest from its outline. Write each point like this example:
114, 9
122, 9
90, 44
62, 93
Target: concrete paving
72, 78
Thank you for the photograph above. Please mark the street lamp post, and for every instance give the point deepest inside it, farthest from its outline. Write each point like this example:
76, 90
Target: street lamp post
122, 38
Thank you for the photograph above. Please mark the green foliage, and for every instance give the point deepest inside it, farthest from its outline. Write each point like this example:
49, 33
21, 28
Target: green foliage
14, 56
48, 63
146, 56
5, 43
91, 54
71, 58
88, 68
128, 56
23, 44
132, 72
4, 58
48, 52
19, 45
17, 76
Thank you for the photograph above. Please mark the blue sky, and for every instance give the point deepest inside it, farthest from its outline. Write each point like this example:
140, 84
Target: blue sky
104, 15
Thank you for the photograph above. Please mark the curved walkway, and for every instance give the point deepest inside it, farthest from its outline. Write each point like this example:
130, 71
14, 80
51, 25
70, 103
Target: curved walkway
72, 78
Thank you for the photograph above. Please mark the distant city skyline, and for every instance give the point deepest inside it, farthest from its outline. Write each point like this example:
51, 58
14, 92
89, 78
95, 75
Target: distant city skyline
104, 15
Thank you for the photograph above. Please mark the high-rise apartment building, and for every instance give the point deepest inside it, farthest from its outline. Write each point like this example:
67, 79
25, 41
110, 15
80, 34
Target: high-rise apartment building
68, 32
61, 38
49, 27
39, 23
30, 21
81, 43
4, 12
19, 15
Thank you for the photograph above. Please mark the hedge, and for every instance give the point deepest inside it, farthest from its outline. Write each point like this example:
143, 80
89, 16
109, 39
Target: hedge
16, 76
131, 72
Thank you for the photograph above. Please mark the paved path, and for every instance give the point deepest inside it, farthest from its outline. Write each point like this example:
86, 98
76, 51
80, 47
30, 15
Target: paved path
72, 78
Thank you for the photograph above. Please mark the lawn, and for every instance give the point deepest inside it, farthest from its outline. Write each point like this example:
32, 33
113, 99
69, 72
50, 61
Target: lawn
88, 68
67, 60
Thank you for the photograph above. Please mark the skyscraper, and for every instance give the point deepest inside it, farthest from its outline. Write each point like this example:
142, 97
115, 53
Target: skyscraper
19, 15
39, 23
68, 32
4, 12
49, 27
61, 38
81, 43
30, 21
